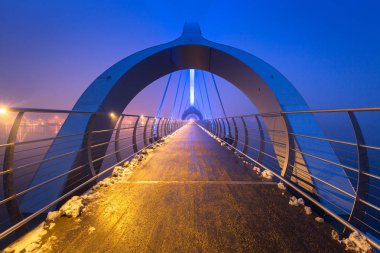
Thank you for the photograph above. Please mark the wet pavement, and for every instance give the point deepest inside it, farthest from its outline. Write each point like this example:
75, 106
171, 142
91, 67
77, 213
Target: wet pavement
192, 195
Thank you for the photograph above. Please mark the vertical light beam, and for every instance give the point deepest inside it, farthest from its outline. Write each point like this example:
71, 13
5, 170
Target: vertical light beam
191, 87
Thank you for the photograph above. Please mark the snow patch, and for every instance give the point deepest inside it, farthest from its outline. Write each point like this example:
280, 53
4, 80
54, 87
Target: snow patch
73, 207
358, 243
91, 230
293, 201
32, 241
257, 169
29, 242
51, 225
49, 244
307, 210
334, 235
281, 186
52, 216
267, 174
319, 220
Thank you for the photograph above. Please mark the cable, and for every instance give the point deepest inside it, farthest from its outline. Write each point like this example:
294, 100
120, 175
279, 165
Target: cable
202, 101
183, 93
217, 92
176, 95
163, 96
208, 98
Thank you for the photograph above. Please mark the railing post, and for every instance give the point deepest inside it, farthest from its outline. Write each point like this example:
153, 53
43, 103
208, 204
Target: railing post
228, 132
223, 137
358, 210
287, 169
215, 127
260, 156
236, 133
166, 127
117, 139
134, 135
13, 208
151, 139
245, 147
158, 129
172, 126
88, 138
218, 128
145, 128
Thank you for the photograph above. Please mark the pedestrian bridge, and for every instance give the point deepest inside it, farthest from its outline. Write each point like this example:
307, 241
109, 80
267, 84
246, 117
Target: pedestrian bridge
206, 183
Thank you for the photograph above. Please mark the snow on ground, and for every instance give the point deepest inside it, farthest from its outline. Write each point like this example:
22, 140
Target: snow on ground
335, 235
319, 220
355, 242
32, 241
91, 230
293, 201
73, 207
281, 186
257, 169
267, 174
308, 210
301, 201
52, 216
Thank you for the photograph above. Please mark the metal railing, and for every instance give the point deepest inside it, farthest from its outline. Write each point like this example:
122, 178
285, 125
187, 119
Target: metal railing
33, 139
337, 169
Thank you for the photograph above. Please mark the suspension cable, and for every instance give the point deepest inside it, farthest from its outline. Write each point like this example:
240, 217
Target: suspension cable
197, 103
187, 103
202, 101
163, 96
217, 91
208, 98
183, 93
176, 95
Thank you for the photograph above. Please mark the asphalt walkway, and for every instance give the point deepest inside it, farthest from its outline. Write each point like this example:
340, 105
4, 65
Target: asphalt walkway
192, 195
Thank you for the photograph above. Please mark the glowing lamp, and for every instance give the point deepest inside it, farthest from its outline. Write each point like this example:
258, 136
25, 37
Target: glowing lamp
3, 110
191, 86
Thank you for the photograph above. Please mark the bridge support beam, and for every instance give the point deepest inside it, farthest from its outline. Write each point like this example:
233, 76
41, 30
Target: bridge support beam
267, 88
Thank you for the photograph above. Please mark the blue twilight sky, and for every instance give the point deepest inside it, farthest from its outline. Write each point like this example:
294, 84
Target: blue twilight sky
51, 50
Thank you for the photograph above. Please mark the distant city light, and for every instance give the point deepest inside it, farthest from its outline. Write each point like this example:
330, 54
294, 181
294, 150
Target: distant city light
112, 115
191, 87
3, 110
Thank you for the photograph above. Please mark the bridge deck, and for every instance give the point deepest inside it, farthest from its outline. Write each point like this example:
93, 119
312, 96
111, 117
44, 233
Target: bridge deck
192, 195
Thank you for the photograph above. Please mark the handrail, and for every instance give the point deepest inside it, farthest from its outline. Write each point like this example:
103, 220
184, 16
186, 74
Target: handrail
77, 162
299, 190
312, 156
271, 114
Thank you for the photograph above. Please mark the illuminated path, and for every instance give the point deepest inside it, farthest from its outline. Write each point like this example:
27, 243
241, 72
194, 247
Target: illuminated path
192, 195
